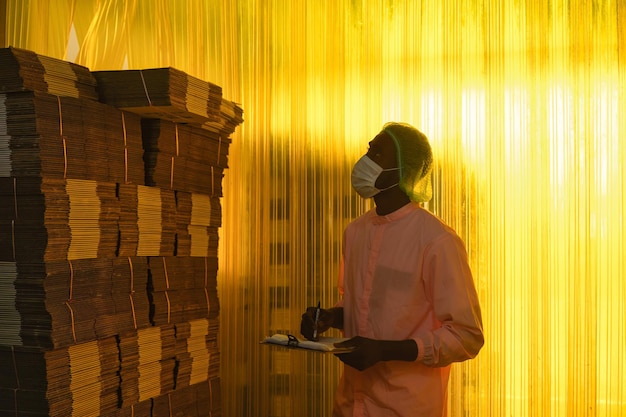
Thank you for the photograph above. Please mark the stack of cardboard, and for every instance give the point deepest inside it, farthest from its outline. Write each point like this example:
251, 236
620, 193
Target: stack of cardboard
110, 187
161, 93
24, 70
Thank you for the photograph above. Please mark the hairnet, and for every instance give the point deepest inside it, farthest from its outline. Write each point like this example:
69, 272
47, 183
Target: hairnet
415, 159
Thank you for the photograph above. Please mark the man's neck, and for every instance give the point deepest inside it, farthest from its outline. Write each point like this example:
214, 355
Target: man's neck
390, 200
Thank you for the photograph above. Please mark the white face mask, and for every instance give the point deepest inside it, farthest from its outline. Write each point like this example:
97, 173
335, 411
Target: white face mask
364, 176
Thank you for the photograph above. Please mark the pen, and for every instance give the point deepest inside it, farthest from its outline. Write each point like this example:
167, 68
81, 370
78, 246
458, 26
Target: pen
317, 317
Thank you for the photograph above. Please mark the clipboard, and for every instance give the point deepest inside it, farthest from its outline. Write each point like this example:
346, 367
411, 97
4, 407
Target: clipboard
322, 345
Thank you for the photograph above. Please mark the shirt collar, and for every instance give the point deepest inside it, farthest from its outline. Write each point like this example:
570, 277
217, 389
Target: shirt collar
395, 215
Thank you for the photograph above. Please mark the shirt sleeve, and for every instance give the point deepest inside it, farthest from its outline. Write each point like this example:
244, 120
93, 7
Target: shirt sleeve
450, 288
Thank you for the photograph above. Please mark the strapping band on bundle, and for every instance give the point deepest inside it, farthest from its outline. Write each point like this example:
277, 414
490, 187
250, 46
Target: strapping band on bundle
15, 196
13, 238
17, 380
172, 173
145, 88
71, 281
219, 149
67, 303
17, 377
177, 143
167, 297
167, 287
62, 138
167, 280
210, 397
132, 291
125, 150
172, 163
206, 283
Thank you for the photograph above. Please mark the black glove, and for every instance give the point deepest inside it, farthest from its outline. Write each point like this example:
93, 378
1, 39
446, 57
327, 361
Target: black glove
307, 324
369, 352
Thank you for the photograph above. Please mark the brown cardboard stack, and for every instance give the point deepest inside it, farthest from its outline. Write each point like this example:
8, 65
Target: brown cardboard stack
23, 70
183, 157
109, 213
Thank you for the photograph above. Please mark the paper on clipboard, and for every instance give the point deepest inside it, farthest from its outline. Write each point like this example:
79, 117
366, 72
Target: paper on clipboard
324, 344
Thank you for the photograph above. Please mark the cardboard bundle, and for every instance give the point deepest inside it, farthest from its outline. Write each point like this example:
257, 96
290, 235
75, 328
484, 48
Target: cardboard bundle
198, 217
196, 351
231, 115
80, 380
25, 70
64, 137
184, 157
156, 361
49, 219
197, 400
182, 289
170, 94
161, 93
65, 302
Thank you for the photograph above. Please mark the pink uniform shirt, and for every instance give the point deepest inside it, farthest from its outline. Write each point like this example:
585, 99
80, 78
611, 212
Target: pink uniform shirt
406, 276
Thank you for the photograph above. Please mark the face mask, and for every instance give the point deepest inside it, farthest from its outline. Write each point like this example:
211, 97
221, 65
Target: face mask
364, 176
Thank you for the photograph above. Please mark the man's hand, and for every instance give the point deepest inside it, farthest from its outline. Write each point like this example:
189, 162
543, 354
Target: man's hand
307, 324
369, 352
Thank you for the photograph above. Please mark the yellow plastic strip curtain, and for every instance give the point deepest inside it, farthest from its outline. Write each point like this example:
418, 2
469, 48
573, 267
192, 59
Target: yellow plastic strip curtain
43, 25
524, 103
105, 43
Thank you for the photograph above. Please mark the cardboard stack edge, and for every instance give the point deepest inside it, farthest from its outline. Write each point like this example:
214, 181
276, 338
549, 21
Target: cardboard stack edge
110, 187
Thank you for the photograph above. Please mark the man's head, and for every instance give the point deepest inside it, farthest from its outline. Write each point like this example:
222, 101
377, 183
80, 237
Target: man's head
415, 159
